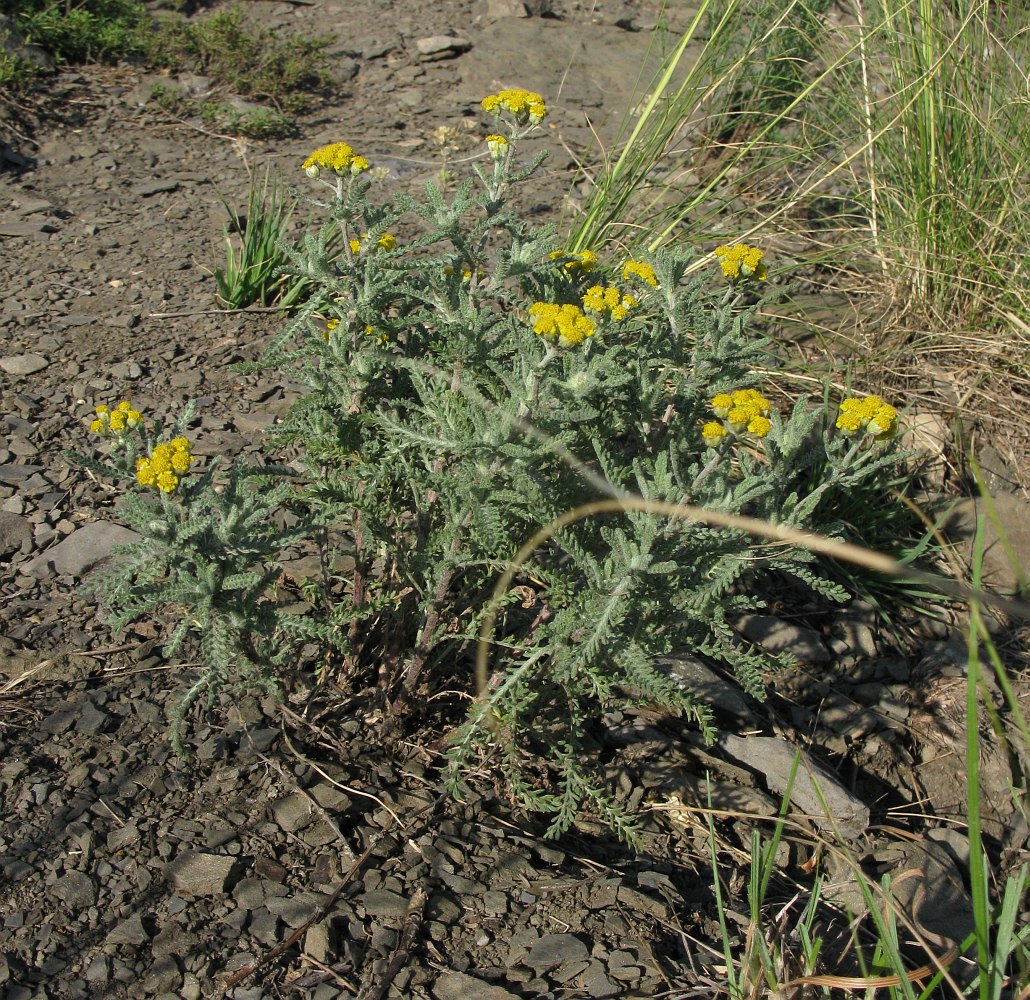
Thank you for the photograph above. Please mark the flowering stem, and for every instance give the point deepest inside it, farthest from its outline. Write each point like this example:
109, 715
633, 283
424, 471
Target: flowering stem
533, 383
713, 462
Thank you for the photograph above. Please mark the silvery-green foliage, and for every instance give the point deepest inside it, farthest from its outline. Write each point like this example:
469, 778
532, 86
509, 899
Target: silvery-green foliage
441, 431
209, 556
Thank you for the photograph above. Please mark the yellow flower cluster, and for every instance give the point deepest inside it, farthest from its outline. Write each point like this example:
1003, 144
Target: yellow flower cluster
608, 300
330, 325
640, 269
523, 105
741, 410
740, 262
387, 242
119, 421
566, 322
166, 465
870, 414
497, 145
585, 261
337, 157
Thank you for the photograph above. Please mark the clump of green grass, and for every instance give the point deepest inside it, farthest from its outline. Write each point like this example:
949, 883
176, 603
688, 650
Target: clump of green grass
88, 31
279, 71
252, 273
251, 123
16, 75
253, 62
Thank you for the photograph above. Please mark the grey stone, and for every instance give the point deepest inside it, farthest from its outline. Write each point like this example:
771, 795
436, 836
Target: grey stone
252, 892
155, 187
297, 910
293, 812
23, 364
383, 903
329, 796
99, 970
33, 227
264, 927
163, 976
641, 902
506, 8
442, 46
777, 636
13, 43
15, 472
595, 981
699, 679
91, 720
555, 949
196, 873
1006, 560
815, 792
129, 931
83, 550
317, 942
126, 371
461, 986
15, 532
443, 909
76, 889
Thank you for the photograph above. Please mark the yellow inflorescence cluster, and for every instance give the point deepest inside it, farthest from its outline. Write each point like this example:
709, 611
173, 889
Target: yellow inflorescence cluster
337, 157
167, 463
582, 262
119, 421
385, 242
870, 414
740, 411
741, 261
566, 322
608, 300
523, 105
640, 269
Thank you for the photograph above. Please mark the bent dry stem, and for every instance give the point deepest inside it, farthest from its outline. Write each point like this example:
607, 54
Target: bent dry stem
878, 562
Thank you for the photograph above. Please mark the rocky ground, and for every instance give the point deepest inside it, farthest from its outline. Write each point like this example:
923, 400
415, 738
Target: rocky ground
291, 856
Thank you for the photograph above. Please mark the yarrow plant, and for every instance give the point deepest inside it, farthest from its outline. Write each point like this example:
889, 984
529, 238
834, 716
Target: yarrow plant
201, 539
466, 386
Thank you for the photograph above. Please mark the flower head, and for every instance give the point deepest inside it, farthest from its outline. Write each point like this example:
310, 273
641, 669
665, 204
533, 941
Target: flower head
566, 322
523, 105
741, 262
166, 464
870, 413
119, 421
640, 269
497, 145
743, 410
385, 242
337, 157
608, 301
714, 433
584, 261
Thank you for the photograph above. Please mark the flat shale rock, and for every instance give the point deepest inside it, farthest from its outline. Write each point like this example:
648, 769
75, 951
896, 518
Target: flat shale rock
23, 364
195, 873
83, 550
815, 791
555, 949
460, 986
